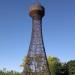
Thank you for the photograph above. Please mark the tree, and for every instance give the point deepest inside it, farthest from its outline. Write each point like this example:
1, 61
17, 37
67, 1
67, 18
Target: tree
63, 69
25, 60
2, 72
54, 64
71, 67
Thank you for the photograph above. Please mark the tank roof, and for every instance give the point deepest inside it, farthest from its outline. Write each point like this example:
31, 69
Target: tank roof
36, 7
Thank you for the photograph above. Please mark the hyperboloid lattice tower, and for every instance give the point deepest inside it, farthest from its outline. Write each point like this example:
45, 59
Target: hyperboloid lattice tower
36, 60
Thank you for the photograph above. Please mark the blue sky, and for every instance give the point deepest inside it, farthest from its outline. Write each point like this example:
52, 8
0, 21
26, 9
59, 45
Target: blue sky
15, 30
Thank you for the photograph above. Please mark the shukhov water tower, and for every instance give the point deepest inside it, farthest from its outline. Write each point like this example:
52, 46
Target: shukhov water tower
36, 60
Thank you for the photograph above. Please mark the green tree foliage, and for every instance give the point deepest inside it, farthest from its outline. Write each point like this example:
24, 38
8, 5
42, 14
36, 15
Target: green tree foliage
71, 67
24, 61
63, 69
56, 67
9, 73
54, 64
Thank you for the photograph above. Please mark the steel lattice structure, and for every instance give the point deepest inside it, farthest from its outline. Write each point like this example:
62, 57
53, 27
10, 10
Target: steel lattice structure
36, 60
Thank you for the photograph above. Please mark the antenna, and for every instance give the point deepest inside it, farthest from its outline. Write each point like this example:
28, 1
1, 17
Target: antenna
37, 1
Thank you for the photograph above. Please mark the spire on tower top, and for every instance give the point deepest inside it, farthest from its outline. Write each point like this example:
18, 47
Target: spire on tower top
38, 2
